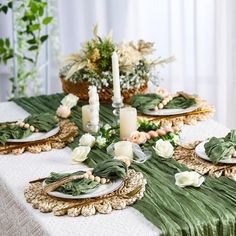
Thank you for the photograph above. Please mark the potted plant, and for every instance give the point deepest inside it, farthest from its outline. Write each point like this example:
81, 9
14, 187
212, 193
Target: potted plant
93, 66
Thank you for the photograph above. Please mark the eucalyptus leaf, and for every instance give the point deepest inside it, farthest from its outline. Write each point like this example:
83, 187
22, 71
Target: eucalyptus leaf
43, 38
34, 27
34, 47
47, 20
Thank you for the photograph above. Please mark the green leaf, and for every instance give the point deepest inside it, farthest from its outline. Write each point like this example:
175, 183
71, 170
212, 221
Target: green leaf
9, 4
28, 59
47, 20
1, 43
31, 41
7, 42
41, 11
34, 27
34, 47
43, 38
4, 9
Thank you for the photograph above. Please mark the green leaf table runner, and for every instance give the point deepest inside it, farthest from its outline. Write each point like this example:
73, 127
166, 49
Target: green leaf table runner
208, 210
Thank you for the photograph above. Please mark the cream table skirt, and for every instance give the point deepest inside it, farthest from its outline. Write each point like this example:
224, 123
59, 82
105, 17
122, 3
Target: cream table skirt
18, 217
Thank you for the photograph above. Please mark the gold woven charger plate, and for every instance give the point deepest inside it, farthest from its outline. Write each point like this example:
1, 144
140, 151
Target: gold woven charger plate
132, 190
68, 131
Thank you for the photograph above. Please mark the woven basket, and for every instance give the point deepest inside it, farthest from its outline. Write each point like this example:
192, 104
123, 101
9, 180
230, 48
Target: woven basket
80, 89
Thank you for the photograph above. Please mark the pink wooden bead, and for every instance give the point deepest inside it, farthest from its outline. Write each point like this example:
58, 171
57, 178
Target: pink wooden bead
161, 132
168, 129
148, 136
153, 133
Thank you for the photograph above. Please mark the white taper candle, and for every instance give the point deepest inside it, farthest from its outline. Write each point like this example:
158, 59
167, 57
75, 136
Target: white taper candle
116, 77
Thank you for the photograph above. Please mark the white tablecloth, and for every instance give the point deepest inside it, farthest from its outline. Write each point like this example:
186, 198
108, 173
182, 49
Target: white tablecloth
18, 217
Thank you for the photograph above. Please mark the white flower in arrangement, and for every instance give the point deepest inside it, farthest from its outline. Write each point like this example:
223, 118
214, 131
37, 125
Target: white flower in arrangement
164, 148
87, 140
80, 153
176, 139
63, 111
101, 141
106, 126
188, 178
70, 100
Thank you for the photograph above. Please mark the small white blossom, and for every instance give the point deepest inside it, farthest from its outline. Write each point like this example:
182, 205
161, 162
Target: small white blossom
101, 141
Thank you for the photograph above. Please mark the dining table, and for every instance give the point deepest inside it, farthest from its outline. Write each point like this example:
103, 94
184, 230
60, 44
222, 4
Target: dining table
17, 217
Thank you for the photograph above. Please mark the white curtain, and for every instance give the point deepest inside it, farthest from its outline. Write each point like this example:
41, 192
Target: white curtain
201, 34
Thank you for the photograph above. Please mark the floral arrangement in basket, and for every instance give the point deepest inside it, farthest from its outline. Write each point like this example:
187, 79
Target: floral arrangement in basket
92, 65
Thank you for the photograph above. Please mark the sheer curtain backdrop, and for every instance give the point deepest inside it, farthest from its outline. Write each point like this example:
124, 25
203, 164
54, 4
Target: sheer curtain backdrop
200, 33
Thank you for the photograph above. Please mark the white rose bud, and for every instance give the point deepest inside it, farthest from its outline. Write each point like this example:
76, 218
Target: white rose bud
87, 140
80, 153
164, 148
188, 178
69, 101
63, 111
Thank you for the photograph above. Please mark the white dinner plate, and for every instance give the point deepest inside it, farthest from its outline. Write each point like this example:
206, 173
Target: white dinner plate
200, 151
170, 112
36, 136
100, 191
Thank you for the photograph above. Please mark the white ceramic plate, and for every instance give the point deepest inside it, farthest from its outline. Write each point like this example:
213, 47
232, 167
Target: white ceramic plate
36, 136
200, 151
100, 191
170, 112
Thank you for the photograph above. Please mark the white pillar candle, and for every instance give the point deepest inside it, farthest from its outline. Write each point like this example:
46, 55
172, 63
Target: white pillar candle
85, 117
116, 77
128, 122
123, 148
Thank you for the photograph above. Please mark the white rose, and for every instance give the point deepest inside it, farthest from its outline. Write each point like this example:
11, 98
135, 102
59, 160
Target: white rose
80, 153
69, 101
188, 178
164, 148
101, 141
63, 111
87, 140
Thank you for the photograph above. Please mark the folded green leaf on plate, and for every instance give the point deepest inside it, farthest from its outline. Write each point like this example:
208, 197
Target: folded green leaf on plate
110, 169
13, 132
44, 121
180, 102
147, 102
75, 187
221, 148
